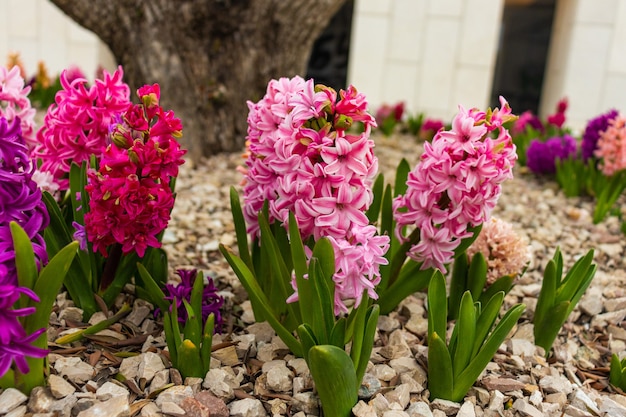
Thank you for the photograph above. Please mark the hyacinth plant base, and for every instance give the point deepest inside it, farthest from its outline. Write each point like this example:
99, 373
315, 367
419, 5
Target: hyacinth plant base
254, 374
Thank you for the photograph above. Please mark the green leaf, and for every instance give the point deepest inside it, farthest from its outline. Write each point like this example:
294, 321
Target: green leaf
240, 228
477, 275
207, 342
548, 330
437, 305
281, 276
307, 339
502, 284
468, 376
358, 331
440, 377
402, 173
323, 306
155, 294
466, 325
193, 325
386, 222
188, 360
24, 260
373, 212
575, 276
411, 280
195, 301
300, 268
547, 295
47, 287
335, 380
371, 323
615, 375
172, 335
486, 319
248, 281
338, 333
458, 285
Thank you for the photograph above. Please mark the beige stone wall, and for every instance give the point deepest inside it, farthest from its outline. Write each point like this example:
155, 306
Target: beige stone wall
431, 54
41, 32
587, 59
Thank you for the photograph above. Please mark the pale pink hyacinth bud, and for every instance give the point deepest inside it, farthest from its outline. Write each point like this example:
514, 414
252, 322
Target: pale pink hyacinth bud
507, 253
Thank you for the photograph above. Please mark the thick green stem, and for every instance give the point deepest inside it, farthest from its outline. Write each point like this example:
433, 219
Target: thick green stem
400, 256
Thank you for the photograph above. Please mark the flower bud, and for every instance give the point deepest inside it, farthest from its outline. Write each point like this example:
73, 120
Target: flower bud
343, 122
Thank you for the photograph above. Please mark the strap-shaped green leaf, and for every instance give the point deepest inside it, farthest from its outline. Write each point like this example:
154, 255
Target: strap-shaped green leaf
547, 295
486, 319
188, 360
371, 323
338, 333
373, 212
437, 305
440, 377
574, 278
402, 173
281, 276
241, 231
477, 275
411, 280
615, 374
458, 285
466, 325
154, 292
207, 342
193, 325
24, 260
546, 331
172, 336
255, 293
502, 284
47, 287
323, 314
335, 380
468, 376
307, 339
358, 330
299, 259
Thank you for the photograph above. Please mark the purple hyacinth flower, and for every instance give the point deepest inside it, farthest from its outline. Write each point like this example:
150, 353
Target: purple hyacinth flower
212, 302
541, 156
20, 199
592, 132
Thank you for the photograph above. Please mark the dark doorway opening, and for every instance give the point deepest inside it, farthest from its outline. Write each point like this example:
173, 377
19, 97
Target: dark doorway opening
522, 53
328, 63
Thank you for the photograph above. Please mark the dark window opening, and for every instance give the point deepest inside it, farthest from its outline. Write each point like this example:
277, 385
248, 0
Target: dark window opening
522, 53
328, 63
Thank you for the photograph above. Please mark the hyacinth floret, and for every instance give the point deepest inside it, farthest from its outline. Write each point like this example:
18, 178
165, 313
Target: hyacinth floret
456, 185
306, 156
212, 302
595, 127
76, 126
21, 202
506, 252
611, 146
541, 156
20, 198
15, 104
130, 195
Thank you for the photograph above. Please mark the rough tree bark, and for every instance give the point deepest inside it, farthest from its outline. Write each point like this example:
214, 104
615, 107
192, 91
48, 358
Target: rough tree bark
209, 56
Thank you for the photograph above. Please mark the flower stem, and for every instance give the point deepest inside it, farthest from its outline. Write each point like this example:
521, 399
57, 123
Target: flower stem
110, 266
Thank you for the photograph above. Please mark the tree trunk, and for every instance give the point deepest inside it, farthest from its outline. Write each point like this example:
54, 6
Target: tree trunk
209, 56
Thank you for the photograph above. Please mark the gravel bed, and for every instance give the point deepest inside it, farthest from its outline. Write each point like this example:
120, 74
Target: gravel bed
253, 374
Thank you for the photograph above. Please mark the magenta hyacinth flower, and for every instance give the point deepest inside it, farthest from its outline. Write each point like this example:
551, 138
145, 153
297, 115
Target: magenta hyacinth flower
592, 132
456, 184
76, 126
212, 302
541, 156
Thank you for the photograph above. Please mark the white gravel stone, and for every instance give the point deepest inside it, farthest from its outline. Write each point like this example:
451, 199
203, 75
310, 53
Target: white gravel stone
10, 399
248, 407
